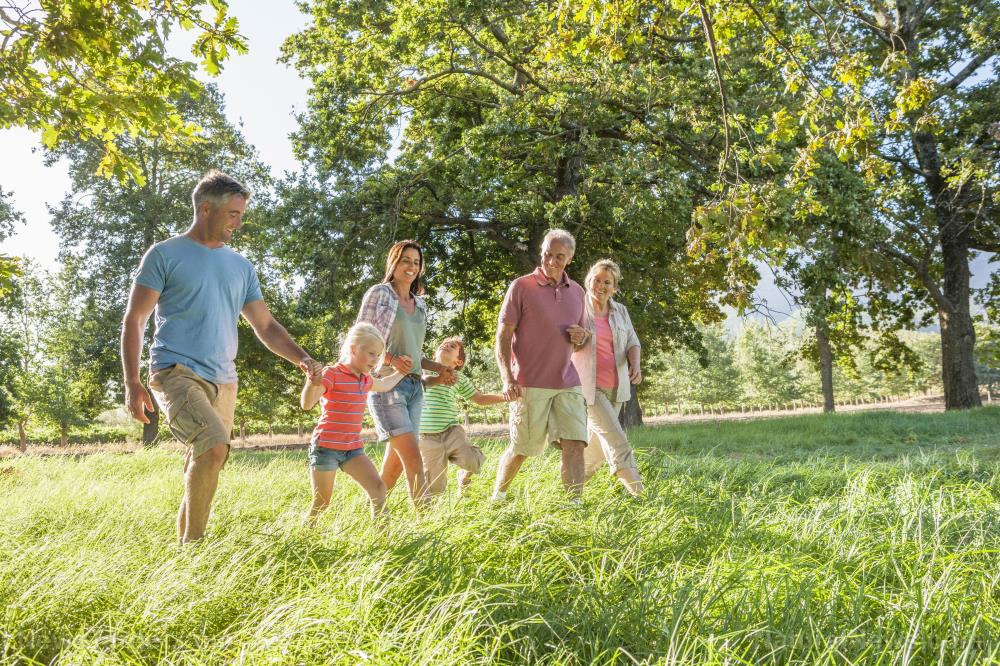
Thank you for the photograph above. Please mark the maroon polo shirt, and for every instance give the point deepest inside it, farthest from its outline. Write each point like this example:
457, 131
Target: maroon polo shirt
540, 313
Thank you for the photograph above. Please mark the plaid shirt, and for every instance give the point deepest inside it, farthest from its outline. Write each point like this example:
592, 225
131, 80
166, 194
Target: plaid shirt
379, 305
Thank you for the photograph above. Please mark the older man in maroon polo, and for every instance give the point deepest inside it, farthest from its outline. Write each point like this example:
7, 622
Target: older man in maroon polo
540, 326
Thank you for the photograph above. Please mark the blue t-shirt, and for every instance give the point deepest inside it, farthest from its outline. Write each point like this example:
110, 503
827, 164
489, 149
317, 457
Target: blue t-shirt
202, 291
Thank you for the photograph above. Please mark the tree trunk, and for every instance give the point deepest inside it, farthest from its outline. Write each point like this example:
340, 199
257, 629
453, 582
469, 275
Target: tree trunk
22, 437
825, 366
63, 433
631, 414
151, 430
958, 336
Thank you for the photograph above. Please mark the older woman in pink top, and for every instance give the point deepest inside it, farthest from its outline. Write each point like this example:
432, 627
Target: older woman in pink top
608, 364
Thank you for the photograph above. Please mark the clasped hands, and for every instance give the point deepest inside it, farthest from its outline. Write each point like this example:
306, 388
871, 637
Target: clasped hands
577, 334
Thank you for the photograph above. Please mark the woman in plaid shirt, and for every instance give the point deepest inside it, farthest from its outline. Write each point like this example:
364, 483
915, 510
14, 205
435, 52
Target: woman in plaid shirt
395, 308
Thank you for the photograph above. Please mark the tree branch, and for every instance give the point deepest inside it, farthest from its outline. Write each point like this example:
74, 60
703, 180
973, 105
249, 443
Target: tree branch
969, 69
419, 83
922, 272
901, 162
706, 23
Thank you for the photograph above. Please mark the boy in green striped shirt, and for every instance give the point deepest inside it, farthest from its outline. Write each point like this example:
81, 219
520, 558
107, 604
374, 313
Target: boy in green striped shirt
442, 437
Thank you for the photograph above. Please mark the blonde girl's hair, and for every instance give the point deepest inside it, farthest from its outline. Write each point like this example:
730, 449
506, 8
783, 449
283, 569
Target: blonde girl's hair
359, 334
603, 265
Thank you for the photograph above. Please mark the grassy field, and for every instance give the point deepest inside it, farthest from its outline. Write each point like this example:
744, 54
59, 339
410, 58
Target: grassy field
858, 538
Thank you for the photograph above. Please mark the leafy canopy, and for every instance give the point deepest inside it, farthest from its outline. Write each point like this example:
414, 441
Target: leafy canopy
99, 69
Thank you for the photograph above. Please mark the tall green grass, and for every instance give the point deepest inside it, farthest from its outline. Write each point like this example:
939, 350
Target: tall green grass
862, 538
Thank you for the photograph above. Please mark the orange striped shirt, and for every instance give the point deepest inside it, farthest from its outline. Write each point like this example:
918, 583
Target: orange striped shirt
343, 405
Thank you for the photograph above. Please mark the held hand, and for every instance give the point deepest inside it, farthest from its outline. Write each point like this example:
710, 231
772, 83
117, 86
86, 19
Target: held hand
402, 364
634, 374
137, 401
577, 334
317, 379
512, 390
447, 377
310, 367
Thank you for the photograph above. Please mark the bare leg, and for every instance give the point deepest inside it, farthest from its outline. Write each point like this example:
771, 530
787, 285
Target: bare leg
572, 466
403, 455
392, 466
629, 476
322, 490
362, 470
182, 511
200, 481
510, 464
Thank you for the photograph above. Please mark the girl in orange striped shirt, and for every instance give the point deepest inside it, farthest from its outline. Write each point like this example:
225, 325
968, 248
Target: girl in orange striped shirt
341, 390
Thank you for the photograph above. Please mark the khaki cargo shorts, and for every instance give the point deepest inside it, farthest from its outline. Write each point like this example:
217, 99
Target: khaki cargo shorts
199, 413
450, 445
544, 415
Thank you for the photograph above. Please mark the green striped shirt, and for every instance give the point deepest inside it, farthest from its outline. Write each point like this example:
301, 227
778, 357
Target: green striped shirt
441, 405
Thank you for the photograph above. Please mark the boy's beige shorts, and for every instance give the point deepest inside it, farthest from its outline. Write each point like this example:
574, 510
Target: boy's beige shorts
450, 445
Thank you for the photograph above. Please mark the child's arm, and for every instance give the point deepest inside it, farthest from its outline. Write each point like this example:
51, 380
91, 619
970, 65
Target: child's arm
430, 380
311, 392
386, 383
484, 399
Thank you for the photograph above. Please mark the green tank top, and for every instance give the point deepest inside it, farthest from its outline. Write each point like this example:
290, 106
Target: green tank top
406, 337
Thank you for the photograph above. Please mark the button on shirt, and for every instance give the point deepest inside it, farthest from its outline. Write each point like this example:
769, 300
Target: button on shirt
540, 313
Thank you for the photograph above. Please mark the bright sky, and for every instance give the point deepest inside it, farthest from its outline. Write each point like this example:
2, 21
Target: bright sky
261, 93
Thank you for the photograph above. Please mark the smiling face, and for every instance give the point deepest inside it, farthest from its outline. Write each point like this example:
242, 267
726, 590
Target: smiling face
365, 356
556, 256
408, 267
222, 220
602, 287
449, 353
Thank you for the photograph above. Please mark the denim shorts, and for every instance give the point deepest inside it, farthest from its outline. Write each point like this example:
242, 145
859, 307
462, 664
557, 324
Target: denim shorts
323, 459
397, 412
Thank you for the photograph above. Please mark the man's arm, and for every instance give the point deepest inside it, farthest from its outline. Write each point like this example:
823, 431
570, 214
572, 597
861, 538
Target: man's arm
141, 302
276, 338
485, 399
504, 353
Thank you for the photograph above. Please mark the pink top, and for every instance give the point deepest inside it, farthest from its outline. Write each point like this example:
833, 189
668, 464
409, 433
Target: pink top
540, 313
343, 405
607, 371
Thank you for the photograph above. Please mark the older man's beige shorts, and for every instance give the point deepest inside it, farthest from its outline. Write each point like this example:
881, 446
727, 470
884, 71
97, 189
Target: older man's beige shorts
543, 415
199, 413
450, 445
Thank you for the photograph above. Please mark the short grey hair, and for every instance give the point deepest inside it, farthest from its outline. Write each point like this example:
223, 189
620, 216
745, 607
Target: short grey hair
216, 187
561, 236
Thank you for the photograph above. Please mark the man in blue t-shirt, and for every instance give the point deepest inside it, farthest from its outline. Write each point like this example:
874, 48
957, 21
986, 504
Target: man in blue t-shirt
199, 287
